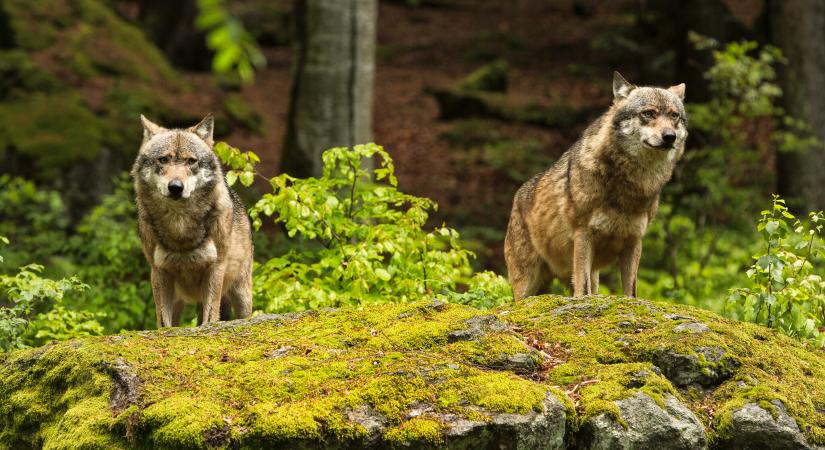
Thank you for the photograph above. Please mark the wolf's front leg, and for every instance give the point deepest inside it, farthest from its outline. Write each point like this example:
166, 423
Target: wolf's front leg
163, 291
629, 264
582, 263
212, 292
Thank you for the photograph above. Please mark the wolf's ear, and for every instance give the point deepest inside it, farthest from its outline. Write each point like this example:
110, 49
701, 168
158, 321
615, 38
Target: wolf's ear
621, 87
204, 128
149, 128
679, 90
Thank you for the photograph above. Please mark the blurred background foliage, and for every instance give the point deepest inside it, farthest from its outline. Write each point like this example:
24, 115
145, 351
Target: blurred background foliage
471, 98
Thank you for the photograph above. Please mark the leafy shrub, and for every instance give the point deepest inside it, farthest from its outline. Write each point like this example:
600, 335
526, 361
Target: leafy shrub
34, 219
21, 293
359, 240
107, 254
786, 289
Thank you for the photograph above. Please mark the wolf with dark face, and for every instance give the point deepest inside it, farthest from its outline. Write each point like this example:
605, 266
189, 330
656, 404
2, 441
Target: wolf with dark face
594, 204
194, 230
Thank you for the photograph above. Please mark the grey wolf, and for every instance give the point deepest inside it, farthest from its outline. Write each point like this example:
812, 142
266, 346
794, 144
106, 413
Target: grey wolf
194, 230
594, 204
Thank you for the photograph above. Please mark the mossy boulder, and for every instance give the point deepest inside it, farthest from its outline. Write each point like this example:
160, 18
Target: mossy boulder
547, 372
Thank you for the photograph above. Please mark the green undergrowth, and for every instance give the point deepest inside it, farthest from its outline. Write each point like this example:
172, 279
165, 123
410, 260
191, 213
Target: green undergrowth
323, 377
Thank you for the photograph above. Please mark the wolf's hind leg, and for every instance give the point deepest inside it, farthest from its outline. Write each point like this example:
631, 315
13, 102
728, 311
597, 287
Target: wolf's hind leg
239, 297
582, 264
177, 311
594, 282
527, 271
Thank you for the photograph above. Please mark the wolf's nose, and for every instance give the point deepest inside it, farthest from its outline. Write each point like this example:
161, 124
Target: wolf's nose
669, 137
175, 188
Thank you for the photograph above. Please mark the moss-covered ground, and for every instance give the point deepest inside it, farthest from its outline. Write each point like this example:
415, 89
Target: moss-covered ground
305, 378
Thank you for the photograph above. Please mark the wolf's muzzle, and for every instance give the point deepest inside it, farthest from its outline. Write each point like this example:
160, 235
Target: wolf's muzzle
669, 137
175, 188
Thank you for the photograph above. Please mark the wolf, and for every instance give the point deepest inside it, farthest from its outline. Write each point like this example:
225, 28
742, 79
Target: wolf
193, 228
594, 204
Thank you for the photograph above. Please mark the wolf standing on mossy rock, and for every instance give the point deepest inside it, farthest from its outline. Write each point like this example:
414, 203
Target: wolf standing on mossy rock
193, 228
595, 203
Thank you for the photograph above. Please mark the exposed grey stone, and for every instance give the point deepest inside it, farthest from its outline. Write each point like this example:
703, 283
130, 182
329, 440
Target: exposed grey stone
692, 327
755, 428
685, 370
373, 421
521, 363
437, 305
573, 308
648, 426
125, 384
677, 317
534, 430
281, 351
477, 327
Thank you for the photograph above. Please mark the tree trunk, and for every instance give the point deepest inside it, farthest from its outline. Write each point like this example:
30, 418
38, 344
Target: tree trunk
709, 18
333, 67
798, 28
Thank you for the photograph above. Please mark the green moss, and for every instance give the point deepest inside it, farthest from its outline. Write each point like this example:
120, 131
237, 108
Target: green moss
498, 392
51, 131
607, 339
288, 380
302, 378
417, 430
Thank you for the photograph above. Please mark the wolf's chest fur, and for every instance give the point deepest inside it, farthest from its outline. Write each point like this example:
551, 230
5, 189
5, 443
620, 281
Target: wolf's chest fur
181, 228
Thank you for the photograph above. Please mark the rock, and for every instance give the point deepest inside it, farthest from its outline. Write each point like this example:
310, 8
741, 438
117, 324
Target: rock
754, 427
477, 327
677, 317
521, 363
372, 421
125, 385
532, 431
645, 425
424, 375
692, 327
709, 366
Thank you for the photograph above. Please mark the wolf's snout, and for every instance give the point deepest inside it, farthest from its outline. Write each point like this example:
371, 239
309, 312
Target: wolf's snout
175, 188
669, 136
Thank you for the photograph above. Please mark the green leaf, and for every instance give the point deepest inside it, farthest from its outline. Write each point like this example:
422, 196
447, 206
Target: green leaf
231, 177
247, 178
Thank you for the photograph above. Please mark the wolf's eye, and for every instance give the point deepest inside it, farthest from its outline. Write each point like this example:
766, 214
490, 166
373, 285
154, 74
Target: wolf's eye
163, 159
649, 114
674, 116
191, 160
